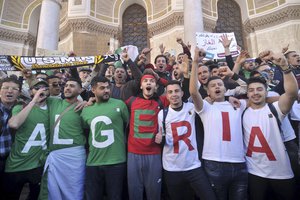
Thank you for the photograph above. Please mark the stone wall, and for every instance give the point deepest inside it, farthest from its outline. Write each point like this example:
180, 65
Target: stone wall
276, 38
168, 39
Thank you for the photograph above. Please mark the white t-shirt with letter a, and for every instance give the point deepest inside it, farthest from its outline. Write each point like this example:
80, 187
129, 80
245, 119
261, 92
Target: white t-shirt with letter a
266, 155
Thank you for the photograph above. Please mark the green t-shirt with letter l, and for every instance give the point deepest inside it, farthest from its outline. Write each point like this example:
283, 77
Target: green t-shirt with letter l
68, 132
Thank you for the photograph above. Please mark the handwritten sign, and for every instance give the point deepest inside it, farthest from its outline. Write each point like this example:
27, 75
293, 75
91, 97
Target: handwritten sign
210, 42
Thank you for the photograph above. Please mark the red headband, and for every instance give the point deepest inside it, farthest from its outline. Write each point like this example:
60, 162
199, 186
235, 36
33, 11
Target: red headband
147, 76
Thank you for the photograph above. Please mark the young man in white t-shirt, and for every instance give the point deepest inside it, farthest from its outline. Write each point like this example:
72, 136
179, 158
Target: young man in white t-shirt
266, 157
181, 164
223, 151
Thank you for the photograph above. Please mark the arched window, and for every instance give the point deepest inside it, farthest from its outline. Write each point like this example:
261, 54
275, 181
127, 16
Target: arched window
230, 20
134, 27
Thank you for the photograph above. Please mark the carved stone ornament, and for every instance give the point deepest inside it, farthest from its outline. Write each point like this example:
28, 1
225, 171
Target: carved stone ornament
175, 19
16, 36
87, 25
283, 15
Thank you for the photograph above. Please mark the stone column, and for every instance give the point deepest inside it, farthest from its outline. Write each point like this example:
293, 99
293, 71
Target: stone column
48, 31
193, 21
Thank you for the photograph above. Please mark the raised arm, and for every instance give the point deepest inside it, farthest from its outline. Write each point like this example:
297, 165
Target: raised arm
197, 99
185, 48
226, 43
136, 72
287, 99
239, 60
162, 48
16, 121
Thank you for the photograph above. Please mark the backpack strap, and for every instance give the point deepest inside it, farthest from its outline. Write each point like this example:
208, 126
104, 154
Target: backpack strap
61, 115
131, 100
274, 112
165, 113
161, 105
242, 117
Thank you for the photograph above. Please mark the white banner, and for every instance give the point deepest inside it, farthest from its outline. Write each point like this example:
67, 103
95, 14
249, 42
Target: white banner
210, 42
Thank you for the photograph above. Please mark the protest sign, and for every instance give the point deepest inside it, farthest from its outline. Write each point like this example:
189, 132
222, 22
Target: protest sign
210, 42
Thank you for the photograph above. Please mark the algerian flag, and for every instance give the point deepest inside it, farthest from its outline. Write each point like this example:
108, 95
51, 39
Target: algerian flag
132, 51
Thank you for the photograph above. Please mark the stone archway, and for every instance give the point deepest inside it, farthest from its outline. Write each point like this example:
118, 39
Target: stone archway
230, 20
134, 27
33, 25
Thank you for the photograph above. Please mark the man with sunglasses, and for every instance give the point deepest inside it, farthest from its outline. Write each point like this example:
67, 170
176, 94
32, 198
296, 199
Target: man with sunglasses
54, 86
25, 161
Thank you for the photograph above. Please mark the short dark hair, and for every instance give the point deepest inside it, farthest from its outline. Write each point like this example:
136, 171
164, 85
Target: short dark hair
257, 79
288, 53
180, 54
51, 77
213, 78
159, 56
213, 66
11, 79
210, 62
99, 79
174, 82
75, 80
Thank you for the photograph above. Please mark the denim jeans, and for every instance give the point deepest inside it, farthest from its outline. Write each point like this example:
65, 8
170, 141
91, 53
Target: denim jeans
179, 184
110, 177
228, 180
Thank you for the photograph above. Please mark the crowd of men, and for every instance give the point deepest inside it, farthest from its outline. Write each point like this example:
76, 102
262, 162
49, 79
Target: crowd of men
183, 128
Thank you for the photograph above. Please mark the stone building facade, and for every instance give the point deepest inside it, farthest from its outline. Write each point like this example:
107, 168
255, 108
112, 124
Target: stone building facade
91, 27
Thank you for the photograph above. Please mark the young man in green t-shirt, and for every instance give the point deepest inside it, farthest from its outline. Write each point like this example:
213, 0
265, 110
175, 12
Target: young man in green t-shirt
25, 161
106, 163
65, 166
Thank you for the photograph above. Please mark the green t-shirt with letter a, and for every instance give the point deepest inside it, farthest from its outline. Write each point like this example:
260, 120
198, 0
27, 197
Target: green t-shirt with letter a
30, 143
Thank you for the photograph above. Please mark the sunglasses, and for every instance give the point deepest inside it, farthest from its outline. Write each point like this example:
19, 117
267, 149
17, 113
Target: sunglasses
222, 64
39, 87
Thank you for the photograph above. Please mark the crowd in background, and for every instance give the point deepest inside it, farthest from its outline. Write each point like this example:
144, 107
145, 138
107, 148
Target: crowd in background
180, 128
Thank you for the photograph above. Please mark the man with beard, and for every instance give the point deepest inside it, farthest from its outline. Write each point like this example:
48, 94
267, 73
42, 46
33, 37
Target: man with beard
106, 162
223, 152
144, 169
123, 89
160, 62
293, 60
25, 161
203, 75
9, 91
64, 171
